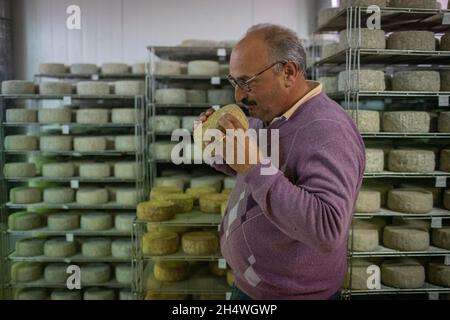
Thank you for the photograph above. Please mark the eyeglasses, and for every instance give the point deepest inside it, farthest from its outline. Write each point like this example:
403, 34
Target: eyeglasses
245, 85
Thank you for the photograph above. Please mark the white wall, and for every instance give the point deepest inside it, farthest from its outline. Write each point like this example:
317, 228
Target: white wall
120, 30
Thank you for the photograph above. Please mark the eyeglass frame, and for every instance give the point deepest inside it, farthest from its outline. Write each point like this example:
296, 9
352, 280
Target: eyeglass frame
242, 84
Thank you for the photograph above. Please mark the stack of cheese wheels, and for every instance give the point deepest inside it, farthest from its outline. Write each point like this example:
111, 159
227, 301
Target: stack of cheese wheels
420, 4
199, 243
21, 143
83, 69
438, 273
25, 195
93, 88
412, 160
52, 68
123, 116
58, 115
403, 273
198, 192
171, 96
368, 201
19, 170
63, 221
408, 200
365, 120
21, 115
374, 160
183, 203
441, 237
99, 294
160, 243
95, 273
210, 203
59, 247
115, 69
96, 247
416, 81
55, 88
25, 220
92, 116
358, 279
18, 87
362, 38
29, 247
96, 221
366, 80
412, 40
406, 238
167, 68
406, 121
363, 3
203, 68
157, 192
156, 210
171, 271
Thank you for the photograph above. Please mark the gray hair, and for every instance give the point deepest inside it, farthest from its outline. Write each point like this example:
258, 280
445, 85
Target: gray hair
284, 44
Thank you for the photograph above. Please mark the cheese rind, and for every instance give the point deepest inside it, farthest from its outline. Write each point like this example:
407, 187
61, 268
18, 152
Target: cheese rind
93, 273
374, 160
61, 170
55, 88
92, 116
91, 196
210, 203
83, 69
363, 3
125, 170
25, 195
123, 116
403, 273
52, 68
362, 38
444, 161
368, 201
441, 238
59, 115
183, 203
171, 271
130, 88
95, 170
115, 69
21, 143
56, 273
438, 274
26, 271
64, 294
412, 40
123, 222
411, 160
199, 243
365, 120
25, 220
99, 294
96, 221
93, 88
325, 15
126, 143
21, 115
96, 247
124, 273
29, 247
171, 96
19, 170
369, 80
156, 210
18, 87
59, 247
406, 121
414, 201
29, 294
55, 143
420, 4
89, 144
416, 81
63, 221
160, 243
406, 238
220, 96
58, 195
203, 68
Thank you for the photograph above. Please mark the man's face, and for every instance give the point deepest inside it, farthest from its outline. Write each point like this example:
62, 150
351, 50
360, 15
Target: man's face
265, 100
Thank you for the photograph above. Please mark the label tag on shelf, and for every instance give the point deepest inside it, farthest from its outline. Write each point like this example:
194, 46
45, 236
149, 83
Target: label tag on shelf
65, 207
222, 264
228, 296
74, 184
95, 77
65, 129
444, 101
433, 295
215, 80
216, 107
447, 260
436, 223
69, 237
446, 18
222, 52
441, 182
67, 101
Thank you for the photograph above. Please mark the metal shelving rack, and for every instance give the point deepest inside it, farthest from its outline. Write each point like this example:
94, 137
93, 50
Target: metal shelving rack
352, 59
138, 183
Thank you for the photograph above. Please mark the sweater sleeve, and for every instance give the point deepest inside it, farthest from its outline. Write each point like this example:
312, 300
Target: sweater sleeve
220, 166
316, 209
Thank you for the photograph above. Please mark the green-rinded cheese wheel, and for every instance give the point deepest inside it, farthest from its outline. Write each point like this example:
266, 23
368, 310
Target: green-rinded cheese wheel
124, 273
121, 249
63, 221
59, 247
59, 195
95, 273
126, 143
56, 273
58, 170
125, 170
25, 220
96, 247
59, 115
123, 222
123, 116
29, 294
19, 170
30, 247
26, 271
21, 115
55, 143
96, 221
25, 195
21, 143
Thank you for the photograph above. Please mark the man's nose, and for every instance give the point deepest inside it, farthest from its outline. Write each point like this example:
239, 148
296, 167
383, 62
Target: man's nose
239, 94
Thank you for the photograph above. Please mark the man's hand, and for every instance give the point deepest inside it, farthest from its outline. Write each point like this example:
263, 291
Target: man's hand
205, 115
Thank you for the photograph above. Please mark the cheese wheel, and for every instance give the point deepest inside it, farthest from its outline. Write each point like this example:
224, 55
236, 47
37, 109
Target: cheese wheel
18, 87
99, 294
26, 271
438, 274
162, 151
446, 201
95, 170
368, 201
165, 123
29, 294
96, 221
365, 120
170, 182
63, 221
123, 116
115, 69
441, 238
187, 123
162, 190
203, 68
406, 121
171, 96
124, 273
415, 201
21, 116
59, 247
408, 160
445, 80
92, 116
445, 42
96, 247
444, 163
444, 122
123, 222
19, 170
93, 273
330, 49
326, 14
403, 274
55, 88
207, 181
55, 170
406, 238
220, 96
363, 239
369, 80
167, 68
210, 203
358, 279
362, 38
89, 144
56, 273
59, 195
412, 40
125, 170
138, 68
25, 195
29, 247
329, 84
374, 160
156, 210
363, 3
52, 68
55, 143
125, 294
171, 271
65, 295
126, 143
199, 243
183, 203
160, 243
198, 192
83, 69
130, 88
25, 220
127, 197
59, 115
420, 4
91, 196
122, 249
196, 96
21, 143
416, 81
93, 88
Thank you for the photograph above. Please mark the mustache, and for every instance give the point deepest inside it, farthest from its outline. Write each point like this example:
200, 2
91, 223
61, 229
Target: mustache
246, 102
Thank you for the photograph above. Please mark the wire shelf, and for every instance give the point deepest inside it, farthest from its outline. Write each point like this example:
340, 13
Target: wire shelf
42, 232
427, 288
72, 206
195, 219
71, 179
62, 97
75, 258
191, 53
386, 252
435, 213
42, 283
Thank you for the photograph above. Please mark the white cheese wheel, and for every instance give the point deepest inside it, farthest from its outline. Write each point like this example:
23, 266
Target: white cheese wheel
445, 80
93, 88
369, 201
171, 271
125, 170
93, 273
403, 273
167, 68
63, 221
29, 247
416, 81
123, 116
406, 121
54, 170
406, 238
25, 195
196, 96
26, 271
376, 223
125, 143
25, 220
126, 294
52, 68
362, 38
329, 50
92, 116
59, 247
21, 115
164, 124
441, 237
19, 170
412, 40
363, 239
408, 200
439, 274
65, 295
89, 144
445, 42
325, 15
123, 222
188, 122
96, 247
363, 3
160, 243
21, 143
130, 88
59, 115
220, 96
369, 80
358, 278
419, 4
203, 68
374, 160
91, 196
96, 221
124, 273
162, 150
171, 96
55, 143
56, 273
382, 187
207, 181
83, 69
115, 69
122, 249
29, 294
138, 68
18, 87
329, 84
59, 195
444, 122
55, 88
365, 120
127, 197
178, 183
199, 243
99, 294
410, 160
95, 170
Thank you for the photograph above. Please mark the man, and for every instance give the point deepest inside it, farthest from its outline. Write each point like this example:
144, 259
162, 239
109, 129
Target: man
285, 235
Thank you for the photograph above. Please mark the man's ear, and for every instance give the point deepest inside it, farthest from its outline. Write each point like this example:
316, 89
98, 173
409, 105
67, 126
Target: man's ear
290, 73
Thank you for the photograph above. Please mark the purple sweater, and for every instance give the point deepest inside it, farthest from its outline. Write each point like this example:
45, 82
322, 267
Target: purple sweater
285, 235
